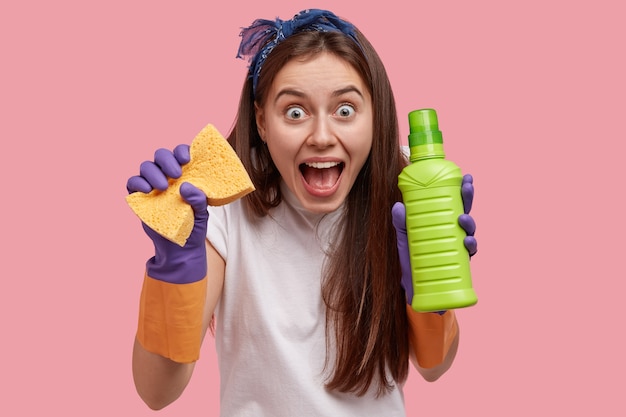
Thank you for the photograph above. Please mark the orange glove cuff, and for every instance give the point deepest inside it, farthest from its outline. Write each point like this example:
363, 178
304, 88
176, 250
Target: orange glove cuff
170, 318
431, 335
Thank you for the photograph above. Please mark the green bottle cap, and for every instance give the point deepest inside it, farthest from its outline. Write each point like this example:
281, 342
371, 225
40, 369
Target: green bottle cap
424, 128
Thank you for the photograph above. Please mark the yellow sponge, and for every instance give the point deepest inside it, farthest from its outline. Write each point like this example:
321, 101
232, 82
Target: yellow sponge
214, 168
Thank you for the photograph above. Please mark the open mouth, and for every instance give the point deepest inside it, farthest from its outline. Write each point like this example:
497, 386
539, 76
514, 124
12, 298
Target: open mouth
321, 175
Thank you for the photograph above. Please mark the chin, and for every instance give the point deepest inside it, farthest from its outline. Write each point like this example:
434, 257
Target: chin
321, 205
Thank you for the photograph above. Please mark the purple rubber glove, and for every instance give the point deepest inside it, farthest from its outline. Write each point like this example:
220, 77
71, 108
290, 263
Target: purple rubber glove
171, 263
467, 223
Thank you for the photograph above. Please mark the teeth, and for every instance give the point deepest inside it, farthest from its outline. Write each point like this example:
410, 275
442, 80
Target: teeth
322, 165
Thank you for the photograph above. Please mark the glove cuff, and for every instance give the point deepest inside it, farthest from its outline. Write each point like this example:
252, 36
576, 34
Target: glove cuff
170, 318
431, 335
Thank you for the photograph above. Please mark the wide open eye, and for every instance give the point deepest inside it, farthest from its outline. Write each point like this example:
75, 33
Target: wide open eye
345, 110
295, 113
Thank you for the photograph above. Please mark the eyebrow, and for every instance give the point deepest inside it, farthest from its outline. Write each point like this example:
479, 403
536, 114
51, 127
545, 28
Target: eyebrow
336, 93
346, 90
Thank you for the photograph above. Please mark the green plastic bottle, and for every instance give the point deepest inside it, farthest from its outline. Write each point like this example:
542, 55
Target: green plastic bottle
431, 190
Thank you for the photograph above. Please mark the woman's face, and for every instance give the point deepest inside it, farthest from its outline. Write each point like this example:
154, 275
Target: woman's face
317, 123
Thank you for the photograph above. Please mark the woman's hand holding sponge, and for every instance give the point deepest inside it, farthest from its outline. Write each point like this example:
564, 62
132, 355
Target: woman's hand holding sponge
170, 197
171, 262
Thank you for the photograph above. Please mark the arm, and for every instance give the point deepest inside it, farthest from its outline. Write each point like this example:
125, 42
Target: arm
159, 380
433, 338
179, 291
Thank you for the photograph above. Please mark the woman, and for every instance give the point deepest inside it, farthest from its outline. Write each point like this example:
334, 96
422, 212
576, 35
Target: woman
302, 277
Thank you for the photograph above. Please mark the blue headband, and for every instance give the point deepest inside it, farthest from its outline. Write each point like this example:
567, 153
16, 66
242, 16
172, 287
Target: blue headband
260, 38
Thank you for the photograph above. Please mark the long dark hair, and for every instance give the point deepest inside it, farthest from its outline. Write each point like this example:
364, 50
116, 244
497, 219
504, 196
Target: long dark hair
366, 315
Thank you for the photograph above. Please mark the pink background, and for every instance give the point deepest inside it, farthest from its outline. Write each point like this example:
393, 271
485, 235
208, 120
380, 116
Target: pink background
530, 97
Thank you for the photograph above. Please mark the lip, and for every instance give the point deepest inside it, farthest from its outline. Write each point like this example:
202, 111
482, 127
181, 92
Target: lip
315, 192
321, 159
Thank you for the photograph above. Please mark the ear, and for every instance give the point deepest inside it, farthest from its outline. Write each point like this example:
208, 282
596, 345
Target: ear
260, 121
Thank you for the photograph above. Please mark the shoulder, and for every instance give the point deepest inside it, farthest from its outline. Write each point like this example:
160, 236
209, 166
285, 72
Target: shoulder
223, 222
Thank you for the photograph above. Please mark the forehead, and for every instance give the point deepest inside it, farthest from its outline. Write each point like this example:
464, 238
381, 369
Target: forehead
323, 70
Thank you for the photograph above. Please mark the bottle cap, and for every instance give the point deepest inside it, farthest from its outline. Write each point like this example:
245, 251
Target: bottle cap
424, 127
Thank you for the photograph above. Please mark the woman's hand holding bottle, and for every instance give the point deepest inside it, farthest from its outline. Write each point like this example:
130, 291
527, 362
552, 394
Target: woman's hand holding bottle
466, 222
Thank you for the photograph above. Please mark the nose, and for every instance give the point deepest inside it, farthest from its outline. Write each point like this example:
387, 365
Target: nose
321, 135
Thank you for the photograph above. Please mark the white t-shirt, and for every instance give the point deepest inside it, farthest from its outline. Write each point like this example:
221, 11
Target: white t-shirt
270, 320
